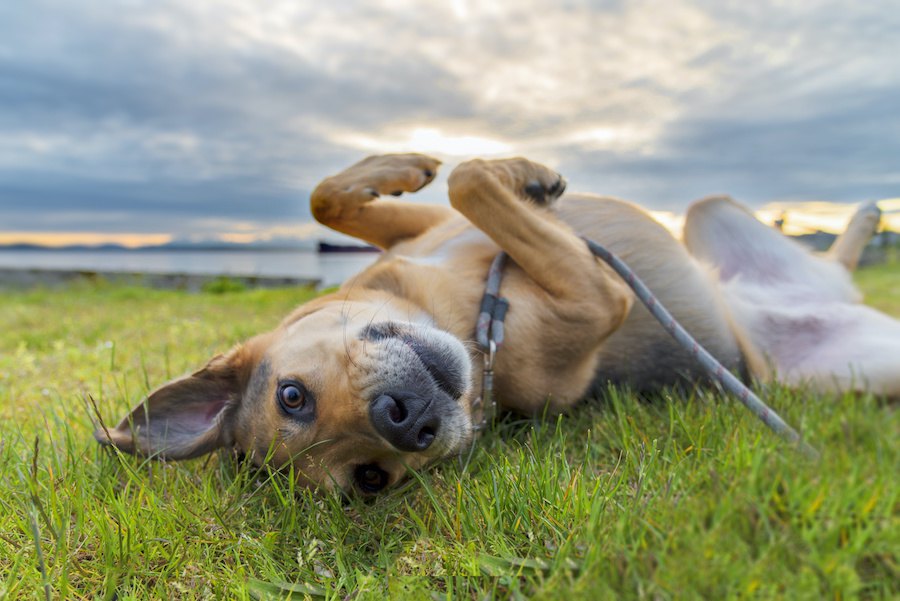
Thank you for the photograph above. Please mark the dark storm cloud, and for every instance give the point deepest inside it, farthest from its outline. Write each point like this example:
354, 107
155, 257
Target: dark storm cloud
83, 204
803, 107
844, 153
186, 116
102, 110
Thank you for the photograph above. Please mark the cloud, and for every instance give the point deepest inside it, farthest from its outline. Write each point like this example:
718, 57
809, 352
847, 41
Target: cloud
158, 116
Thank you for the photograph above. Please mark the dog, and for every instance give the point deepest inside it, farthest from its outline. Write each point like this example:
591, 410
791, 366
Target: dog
358, 386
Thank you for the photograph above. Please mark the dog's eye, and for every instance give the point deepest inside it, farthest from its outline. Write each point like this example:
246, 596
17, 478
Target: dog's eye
370, 478
292, 396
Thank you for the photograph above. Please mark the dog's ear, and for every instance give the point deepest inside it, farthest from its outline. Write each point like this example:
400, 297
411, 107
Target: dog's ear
189, 416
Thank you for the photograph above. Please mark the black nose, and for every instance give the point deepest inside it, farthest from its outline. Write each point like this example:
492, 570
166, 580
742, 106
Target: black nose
406, 420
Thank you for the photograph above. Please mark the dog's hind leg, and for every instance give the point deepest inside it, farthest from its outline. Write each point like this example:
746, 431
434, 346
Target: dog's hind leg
799, 310
349, 201
849, 246
721, 233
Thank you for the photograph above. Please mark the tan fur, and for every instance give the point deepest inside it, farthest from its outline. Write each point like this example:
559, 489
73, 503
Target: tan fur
405, 326
848, 247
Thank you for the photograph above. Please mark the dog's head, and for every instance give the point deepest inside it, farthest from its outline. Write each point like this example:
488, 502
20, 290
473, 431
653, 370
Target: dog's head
351, 392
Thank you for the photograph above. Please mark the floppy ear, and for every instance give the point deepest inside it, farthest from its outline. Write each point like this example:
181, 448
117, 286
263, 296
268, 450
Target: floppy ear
187, 417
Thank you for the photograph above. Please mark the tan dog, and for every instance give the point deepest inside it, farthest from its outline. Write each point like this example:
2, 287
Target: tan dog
358, 386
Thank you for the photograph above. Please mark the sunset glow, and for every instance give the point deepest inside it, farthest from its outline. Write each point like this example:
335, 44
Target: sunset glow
800, 218
56, 239
807, 217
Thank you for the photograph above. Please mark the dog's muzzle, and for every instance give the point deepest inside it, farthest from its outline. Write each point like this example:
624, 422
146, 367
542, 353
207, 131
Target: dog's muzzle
423, 377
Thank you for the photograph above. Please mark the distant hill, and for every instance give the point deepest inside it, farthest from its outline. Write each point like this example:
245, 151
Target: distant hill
25, 246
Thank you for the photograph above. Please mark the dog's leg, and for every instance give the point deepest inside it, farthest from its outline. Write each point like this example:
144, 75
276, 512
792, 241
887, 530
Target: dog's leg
348, 202
502, 198
798, 309
724, 234
849, 246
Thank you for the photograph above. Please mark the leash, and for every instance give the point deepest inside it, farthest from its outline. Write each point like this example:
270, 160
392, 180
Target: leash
489, 336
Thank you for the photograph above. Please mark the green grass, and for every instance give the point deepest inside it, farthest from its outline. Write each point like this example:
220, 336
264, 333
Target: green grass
683, 497
881, 284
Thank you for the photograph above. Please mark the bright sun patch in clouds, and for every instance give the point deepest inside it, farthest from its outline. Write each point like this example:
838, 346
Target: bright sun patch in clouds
428, 140
627, 138
460, 9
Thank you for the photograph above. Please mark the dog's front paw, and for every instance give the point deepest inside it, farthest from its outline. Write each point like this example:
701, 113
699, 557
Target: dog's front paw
391, 174
546, 192
526, 179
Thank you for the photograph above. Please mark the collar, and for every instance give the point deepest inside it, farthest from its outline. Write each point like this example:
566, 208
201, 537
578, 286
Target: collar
489, 337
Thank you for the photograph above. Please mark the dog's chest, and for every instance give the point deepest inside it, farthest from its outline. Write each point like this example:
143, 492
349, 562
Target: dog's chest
443, 272
446, 245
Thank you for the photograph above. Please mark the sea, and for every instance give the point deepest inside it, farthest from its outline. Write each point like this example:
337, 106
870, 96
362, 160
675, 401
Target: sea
329, 268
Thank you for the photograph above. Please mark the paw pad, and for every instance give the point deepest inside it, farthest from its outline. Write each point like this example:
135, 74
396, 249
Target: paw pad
545, 195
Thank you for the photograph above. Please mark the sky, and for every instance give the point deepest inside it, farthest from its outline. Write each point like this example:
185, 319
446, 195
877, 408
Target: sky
144, 121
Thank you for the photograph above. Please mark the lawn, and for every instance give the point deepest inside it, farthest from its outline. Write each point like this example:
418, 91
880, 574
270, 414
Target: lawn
682, 496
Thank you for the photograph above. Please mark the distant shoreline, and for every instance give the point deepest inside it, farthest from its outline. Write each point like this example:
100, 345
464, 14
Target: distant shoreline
319, 247
193, 282
142, 249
